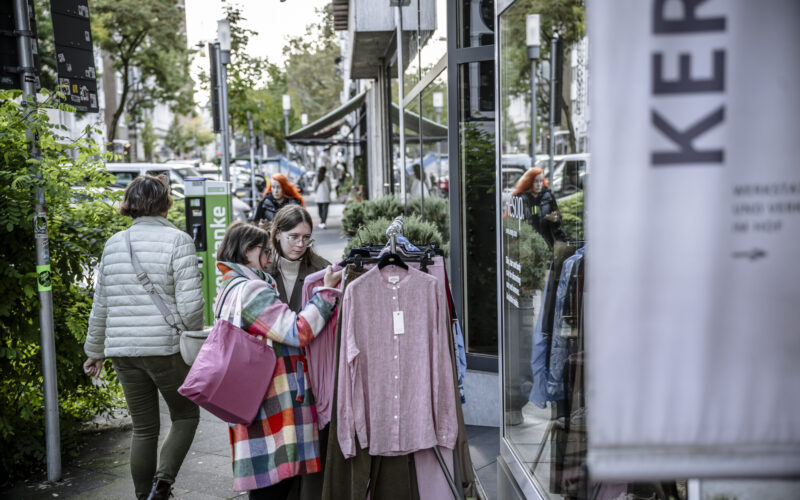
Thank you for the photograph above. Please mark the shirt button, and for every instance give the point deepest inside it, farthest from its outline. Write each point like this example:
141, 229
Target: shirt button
395, 377
395, 298
395, 396
395, 356
395, 417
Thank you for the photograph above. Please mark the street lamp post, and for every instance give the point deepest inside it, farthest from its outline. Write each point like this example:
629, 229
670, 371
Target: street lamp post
438, 107
532, 40
553, 106
287, 105
224, 36
304, 122
398, 21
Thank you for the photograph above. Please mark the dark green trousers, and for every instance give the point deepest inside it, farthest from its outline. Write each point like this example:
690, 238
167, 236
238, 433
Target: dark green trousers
142, 378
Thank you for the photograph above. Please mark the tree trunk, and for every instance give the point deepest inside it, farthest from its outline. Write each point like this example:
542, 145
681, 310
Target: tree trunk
568, 117
120, 107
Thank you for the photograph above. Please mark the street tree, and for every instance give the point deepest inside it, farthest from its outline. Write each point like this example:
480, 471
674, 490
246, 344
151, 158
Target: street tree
148, 51
565, 17
312, 67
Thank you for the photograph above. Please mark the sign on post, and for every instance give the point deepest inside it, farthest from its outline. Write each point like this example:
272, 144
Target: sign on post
9, 52
77, 77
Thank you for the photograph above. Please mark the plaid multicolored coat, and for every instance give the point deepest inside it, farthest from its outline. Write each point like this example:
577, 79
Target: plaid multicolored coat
282, 441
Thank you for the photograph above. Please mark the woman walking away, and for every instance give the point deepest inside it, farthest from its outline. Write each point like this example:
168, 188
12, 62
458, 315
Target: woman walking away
126, 326
282, 443
322, 195
278, 194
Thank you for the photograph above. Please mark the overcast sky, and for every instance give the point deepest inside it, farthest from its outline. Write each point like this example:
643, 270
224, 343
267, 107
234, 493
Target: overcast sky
272, 19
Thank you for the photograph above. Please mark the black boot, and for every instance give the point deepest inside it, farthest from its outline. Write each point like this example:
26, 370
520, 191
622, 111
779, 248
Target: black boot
162, 490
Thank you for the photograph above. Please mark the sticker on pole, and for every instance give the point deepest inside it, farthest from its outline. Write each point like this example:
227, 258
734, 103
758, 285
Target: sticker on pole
43, 278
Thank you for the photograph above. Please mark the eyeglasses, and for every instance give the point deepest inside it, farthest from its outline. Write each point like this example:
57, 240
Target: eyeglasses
305, 240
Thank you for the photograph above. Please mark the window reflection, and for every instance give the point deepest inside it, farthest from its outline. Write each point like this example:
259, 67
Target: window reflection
476, 20
477, 166
543, 255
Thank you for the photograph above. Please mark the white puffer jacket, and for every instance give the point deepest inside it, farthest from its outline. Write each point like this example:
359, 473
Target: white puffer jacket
124, 321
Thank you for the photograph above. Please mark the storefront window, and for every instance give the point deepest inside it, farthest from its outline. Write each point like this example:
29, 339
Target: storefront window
543, 247
477, 166
476, 20
436, 45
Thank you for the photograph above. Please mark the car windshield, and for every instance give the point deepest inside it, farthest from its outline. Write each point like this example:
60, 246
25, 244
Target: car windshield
122, 179
185, 172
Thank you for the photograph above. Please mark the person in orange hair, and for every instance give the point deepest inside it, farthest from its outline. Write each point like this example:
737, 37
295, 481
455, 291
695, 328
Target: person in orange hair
541, 209
279, 193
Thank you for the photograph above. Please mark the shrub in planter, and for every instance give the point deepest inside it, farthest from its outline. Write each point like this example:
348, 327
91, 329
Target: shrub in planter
417, 231
572, 217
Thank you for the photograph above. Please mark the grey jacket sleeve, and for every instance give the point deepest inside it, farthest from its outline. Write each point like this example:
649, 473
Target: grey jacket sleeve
188, 284
94, 346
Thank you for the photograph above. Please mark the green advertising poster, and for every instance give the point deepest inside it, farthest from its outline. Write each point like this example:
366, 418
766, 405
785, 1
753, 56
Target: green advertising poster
218, 218
208, 214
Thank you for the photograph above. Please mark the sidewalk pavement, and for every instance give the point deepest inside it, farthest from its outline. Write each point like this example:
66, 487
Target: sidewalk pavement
101, 470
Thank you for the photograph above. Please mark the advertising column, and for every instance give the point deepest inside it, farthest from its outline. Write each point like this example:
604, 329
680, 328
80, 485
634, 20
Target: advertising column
693, 285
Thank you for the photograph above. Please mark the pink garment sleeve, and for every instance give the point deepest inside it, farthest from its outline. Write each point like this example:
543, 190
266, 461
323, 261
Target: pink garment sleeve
344, 407
321, 357
444, 400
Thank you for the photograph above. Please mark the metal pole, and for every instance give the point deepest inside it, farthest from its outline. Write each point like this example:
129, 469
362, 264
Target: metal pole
252, 164
285, 141
401, 123
553, 97
49, 377
533, 112
438, 149
223, 104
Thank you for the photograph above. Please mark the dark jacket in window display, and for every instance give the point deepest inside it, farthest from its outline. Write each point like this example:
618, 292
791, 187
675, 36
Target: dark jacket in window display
269, 206
537, 207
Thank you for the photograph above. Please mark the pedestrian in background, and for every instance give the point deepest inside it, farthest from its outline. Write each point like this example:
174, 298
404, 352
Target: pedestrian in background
540, 205
126, 326
282, 443
279, 193
322, 195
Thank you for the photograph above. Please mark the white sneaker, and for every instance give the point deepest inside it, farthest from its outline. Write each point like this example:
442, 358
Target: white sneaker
322, 225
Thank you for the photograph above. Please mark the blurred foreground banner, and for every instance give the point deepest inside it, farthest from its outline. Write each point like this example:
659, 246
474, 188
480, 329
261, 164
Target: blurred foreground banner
693, 209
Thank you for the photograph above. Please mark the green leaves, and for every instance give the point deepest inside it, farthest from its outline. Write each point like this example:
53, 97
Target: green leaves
81, 218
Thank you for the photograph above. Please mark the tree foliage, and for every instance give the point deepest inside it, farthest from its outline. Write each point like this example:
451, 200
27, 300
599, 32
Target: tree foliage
148, 51
185, 135
81, 217
565, 17
311, 67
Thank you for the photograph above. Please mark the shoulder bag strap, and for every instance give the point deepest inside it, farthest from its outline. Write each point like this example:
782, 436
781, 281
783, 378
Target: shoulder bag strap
228, 289
149, 287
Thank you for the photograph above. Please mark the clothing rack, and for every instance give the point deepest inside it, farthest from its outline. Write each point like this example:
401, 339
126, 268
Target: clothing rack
394, 230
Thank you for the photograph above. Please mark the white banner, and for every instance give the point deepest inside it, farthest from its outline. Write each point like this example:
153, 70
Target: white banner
693, 270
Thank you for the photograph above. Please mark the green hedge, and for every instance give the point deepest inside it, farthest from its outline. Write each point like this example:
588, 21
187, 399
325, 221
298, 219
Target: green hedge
415, 229
572, 217
81, 217
357, 215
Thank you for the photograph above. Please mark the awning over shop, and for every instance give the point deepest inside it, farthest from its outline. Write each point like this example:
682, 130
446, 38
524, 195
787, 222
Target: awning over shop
316, 132
430, 129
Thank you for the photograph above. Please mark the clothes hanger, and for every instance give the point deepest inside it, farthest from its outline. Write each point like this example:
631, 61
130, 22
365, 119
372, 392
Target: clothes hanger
392, 259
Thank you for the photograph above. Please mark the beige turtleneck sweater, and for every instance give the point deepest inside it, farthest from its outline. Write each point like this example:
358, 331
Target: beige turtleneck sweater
289, 270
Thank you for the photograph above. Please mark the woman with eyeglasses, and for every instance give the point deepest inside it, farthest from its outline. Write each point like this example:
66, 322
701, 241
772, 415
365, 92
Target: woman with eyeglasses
293, 258
282, 444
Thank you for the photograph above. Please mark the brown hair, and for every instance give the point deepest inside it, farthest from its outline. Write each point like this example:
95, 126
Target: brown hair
285, 220
321, 174
239, 238
146, 195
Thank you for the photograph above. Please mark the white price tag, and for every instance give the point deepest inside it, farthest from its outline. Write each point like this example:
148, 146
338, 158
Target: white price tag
399, 324
394, 279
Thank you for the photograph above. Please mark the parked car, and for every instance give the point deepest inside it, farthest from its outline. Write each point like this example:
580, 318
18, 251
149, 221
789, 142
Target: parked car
569, 175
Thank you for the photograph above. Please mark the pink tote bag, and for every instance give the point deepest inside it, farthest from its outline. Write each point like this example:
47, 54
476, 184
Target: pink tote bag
232, 371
